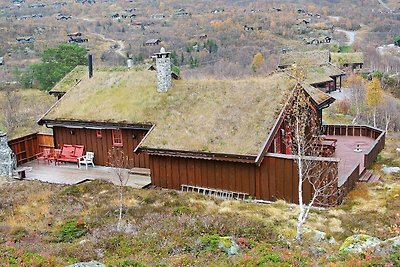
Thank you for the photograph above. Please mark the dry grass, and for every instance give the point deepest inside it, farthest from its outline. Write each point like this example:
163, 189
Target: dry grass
70, 79
347, 58
228, 116
32, 104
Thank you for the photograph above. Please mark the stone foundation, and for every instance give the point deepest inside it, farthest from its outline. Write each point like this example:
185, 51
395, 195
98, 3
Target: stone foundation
7, 158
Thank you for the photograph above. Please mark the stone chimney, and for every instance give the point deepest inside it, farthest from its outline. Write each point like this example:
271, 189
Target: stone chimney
163, 66
7, 159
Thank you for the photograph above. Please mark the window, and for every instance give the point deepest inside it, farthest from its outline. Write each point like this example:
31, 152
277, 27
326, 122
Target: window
98, 134
117, 137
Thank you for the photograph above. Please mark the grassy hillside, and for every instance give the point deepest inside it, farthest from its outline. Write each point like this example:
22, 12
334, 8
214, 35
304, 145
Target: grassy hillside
50, 225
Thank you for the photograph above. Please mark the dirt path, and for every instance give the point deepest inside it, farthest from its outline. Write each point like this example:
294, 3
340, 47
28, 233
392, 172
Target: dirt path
120, 44
384, 5
351, 36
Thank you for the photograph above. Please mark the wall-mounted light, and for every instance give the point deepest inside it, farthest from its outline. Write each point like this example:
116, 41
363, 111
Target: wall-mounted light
72, 132
133, 136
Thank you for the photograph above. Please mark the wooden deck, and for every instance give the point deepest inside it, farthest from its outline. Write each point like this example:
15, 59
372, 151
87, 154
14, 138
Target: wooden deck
69, 174
349, 159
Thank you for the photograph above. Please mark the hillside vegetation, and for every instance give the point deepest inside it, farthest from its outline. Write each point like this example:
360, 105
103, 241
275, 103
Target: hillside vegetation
51, 225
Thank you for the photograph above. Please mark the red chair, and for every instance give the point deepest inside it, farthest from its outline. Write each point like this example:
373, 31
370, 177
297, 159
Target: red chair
56, 155
45, 156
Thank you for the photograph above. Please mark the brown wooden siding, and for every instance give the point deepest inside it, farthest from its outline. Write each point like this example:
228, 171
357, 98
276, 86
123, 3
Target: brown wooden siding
276, 178
102, 145
25, 148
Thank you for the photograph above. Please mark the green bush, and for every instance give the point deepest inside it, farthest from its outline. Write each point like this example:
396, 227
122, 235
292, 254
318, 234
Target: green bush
130, 263
210, 242
71, 230
182, 210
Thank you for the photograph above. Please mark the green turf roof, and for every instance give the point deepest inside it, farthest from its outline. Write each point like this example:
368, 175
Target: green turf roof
78, 73
347, 58
316, 57
220, 116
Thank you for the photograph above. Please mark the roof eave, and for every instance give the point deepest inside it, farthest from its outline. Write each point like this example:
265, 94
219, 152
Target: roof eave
198, 154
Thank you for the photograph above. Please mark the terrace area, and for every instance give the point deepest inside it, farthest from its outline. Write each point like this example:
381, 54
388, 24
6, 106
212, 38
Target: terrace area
357, 148
70, 174
26, 148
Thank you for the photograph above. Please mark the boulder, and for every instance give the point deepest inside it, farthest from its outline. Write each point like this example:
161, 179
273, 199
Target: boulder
228, 245
359, 244
390, 170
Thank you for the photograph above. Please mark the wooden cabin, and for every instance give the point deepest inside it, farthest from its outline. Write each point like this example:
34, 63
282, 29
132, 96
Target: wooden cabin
224, 134
353, 61
315, 67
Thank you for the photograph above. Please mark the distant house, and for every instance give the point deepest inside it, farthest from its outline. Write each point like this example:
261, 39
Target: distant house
37, 16
319, 40
1, 61
77, 40
217, 10
318, 69
397, 40
157, 16
301, 11
348, 60
152, 42
182, 13
59, 4
248, 28
74, 34
37, 5
90, 2
61, 16
277, 9
128, 15
115, 15
18, 2
303, 21
326, 77
25, 40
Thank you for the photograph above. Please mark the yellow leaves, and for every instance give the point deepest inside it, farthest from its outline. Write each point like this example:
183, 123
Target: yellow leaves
374, 93
258, 61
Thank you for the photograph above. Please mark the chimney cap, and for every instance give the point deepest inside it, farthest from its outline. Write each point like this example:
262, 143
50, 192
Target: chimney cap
162, 52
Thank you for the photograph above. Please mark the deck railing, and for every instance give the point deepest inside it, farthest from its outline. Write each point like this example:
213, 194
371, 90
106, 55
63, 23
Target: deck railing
25, 148
350, 180
360, 130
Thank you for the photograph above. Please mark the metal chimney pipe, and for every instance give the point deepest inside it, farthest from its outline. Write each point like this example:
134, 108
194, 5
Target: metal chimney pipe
90, 65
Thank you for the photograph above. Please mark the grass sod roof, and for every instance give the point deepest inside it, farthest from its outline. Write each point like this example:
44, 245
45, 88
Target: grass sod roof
78, 73
208, 115
316, 57
347, 58
320, 74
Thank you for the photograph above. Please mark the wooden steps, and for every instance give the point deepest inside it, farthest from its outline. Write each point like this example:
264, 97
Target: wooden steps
230, 195
140, 171
369, 177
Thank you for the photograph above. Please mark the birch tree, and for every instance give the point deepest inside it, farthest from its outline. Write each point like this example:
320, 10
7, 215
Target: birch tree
120, 164
374, 96
306, 144
357, 88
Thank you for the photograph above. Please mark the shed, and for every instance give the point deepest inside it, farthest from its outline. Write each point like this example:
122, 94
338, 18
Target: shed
152, 42
353, 60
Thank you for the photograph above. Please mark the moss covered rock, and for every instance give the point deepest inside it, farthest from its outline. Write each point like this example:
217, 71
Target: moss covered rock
359, 244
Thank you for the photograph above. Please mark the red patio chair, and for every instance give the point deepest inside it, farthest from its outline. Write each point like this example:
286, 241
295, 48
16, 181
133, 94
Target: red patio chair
45, 155
56, 155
